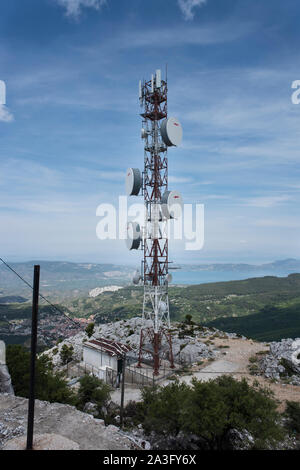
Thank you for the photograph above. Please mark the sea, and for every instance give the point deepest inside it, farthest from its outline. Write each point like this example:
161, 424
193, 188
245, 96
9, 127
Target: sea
203, 277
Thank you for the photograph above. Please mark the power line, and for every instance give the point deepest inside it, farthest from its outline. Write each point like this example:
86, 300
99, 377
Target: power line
40, 295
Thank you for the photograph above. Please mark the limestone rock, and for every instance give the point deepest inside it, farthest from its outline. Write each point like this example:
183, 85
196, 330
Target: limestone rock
283, 361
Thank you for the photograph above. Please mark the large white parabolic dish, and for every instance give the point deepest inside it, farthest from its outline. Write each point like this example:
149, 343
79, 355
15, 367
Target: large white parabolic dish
136, 277
133, 181
171, 132
171, 204
133, 236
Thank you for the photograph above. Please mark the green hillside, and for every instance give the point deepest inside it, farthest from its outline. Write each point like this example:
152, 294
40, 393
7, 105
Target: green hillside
264, 308
206, 302
20, 311
270, 324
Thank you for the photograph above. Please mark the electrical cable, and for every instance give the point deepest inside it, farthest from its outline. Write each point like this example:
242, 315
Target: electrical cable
40, 295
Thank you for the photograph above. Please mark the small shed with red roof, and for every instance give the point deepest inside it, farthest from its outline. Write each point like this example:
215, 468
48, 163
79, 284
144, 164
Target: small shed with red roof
101, 353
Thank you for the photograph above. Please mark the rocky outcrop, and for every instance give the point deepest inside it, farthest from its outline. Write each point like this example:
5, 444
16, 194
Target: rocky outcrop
188, 340
5, 380
283, 361
58, 419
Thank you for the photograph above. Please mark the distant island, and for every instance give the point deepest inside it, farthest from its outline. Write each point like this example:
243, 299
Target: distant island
290, 264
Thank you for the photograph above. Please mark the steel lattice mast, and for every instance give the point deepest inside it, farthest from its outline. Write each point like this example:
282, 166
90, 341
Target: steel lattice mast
155, 241
156, 339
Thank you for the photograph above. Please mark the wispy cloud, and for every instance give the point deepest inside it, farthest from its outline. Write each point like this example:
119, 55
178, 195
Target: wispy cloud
5, 114
179, 179
214, 33
267, 201
73, 7
286, 222
187, 7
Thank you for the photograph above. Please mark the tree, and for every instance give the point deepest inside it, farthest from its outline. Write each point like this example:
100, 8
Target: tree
219, 406
90, 329
211, 410
292, 413
49, 386
66, 353
163, 407
93, 390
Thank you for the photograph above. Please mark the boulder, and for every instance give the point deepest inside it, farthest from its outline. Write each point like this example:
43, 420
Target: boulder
283, 361
91, 408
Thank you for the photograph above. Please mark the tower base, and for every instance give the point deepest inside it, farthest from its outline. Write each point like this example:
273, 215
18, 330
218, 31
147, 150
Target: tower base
151, 342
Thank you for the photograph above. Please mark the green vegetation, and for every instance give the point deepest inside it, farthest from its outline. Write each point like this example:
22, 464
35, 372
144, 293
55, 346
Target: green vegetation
90, 329
21, 311
93, 390
273, 304
288, 370
271, 323
265, 308
49, 386
210, 411
66, 353
292, 414
52, 386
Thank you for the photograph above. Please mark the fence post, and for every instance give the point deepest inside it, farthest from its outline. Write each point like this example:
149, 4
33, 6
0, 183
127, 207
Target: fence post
122, 391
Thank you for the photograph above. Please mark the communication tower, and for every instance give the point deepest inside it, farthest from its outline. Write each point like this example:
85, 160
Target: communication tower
159, 133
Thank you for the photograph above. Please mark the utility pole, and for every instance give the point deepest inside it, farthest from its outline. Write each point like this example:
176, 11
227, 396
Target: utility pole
35, 306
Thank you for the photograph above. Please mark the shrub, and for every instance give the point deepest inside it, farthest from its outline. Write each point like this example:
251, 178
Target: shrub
292, 414
162, 408
224, 404
93, 390
133, 414
288, 372
210, 410
90, 329
49, 386
253, 359
66, 353
189, 319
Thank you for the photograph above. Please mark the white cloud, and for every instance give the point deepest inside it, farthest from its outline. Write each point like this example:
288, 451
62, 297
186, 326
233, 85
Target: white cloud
5, 114
267, 201
187, 7
281, 222
74, 7
179, 179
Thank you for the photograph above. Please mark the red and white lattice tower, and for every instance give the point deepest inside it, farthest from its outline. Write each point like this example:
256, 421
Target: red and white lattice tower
158, 132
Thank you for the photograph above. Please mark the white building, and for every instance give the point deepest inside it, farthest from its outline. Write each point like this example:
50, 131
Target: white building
103, 353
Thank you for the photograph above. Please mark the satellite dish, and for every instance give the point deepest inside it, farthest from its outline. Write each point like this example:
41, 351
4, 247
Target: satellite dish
171, 132
136, 277
171, 204
169, 278
133, 236
134, 181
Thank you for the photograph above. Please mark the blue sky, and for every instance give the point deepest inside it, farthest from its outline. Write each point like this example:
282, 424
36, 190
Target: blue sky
71, 125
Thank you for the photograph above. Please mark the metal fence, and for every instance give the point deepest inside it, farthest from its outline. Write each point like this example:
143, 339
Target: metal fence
133, 375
